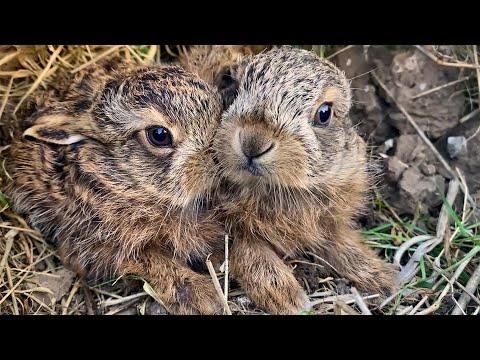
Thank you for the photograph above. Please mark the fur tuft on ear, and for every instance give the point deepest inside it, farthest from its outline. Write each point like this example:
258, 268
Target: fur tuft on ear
57, 129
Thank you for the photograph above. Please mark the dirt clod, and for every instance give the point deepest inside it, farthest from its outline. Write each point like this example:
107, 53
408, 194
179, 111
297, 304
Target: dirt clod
58, 282
456, 145
154, 308
411, 73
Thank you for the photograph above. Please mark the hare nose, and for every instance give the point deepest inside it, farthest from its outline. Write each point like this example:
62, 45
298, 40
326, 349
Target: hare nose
254, 146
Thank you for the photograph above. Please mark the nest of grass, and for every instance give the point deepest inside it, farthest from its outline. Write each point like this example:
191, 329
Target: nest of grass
441, 264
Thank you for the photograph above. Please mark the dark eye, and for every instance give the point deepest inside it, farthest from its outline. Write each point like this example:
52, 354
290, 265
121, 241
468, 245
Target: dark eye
323, 114
159, 136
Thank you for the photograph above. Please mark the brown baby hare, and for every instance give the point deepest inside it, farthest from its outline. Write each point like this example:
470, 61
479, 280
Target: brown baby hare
117, 172
294, 175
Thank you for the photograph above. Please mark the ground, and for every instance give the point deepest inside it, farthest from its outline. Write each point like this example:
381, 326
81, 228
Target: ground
418, 108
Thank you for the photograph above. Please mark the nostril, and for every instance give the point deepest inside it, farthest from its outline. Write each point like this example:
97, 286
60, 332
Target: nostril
268, 147
255, 150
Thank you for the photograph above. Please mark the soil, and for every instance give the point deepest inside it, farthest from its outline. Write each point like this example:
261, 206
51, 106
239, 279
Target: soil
413, 178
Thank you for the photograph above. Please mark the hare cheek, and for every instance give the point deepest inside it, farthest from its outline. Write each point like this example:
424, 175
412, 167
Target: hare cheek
191, 176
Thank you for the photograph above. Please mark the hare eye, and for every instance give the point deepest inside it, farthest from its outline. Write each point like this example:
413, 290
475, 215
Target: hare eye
323, 114
159, 136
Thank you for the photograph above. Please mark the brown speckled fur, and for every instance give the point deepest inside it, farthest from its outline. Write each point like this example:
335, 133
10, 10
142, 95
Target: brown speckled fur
88, 179
210, 61
310, 185
216, 65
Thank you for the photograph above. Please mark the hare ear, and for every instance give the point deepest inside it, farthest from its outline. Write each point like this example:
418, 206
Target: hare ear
58, 129
227, 84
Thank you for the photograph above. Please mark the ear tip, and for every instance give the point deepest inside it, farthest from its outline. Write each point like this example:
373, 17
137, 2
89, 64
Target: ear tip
28, 134
54, 136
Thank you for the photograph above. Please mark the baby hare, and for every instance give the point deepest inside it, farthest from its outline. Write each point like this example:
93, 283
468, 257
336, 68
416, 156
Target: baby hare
117, 172
294, 176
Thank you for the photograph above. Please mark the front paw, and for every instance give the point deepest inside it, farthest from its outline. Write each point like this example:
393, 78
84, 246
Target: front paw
380, 279
279, 294
196, 296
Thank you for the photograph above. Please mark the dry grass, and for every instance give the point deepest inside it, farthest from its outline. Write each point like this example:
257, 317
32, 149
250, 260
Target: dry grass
33, 281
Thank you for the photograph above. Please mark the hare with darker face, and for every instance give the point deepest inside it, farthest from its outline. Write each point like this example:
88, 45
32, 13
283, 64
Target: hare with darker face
294, 176
117, 172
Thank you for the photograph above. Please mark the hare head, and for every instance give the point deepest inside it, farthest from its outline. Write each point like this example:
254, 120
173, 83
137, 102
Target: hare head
288, 127
146, 134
